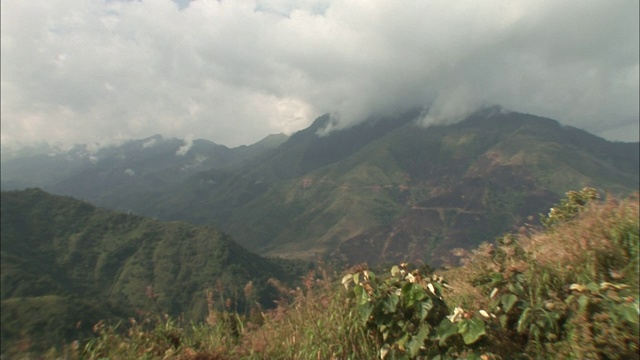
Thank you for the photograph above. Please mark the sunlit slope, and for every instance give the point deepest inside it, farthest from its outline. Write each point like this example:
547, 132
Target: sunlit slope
416, 193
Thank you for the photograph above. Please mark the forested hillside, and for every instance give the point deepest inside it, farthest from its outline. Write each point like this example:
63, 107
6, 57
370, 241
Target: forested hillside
67, 264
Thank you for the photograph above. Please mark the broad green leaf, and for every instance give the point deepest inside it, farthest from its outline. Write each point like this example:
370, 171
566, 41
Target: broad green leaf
417, 341
494, 303
406, 290
508, 300
357, 291
417, 292
463, 326
474, 331
445, 330
517, 289
391, 303
628, 312
496, 279
425, 306
361, 295
365, 311
412, 293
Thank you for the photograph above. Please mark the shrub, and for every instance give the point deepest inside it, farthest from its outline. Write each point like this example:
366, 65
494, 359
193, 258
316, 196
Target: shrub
408, 317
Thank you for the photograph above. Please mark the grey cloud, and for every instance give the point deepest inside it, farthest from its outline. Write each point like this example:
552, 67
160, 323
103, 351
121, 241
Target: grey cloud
233, 72
184, 149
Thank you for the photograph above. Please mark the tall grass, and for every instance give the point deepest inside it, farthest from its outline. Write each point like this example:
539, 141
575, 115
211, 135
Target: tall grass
315, 321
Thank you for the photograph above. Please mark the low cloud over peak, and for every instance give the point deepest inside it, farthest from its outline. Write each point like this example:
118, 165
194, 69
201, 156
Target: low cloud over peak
235, 71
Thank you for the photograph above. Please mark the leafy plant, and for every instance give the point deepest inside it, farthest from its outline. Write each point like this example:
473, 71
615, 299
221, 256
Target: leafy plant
524, 309
569, 292
569, 207
407, 315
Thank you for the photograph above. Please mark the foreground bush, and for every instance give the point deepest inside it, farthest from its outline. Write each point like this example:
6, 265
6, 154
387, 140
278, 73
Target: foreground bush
569, 292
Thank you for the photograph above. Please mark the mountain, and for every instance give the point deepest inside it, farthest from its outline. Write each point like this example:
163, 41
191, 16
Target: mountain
391, 191
388, 190
67, 264
216, 195
110, 174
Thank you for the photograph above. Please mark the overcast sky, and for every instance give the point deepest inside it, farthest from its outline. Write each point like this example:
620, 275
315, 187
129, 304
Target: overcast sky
80, 71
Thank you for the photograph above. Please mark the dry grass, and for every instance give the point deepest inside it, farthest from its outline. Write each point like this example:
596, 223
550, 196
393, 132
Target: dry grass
316, 321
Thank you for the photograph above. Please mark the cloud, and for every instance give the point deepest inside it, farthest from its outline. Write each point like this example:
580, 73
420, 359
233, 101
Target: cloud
184, 149
451, 105
149, 143
235, 71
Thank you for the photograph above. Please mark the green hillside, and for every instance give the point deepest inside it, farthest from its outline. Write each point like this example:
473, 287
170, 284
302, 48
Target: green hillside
65, 261
383, 191
414, 194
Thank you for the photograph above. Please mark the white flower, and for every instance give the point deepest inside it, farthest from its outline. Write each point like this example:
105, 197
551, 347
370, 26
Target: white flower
493, 292
431, 288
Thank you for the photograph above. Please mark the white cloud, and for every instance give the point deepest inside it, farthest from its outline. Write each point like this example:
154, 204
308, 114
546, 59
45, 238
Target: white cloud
184, 149
452, 105
149, 143
235, 71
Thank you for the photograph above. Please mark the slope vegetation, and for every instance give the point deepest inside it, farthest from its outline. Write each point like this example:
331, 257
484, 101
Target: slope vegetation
413, 194
66, 261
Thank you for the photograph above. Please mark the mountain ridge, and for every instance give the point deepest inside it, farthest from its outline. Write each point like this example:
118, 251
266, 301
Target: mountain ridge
391, 172
320, 194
